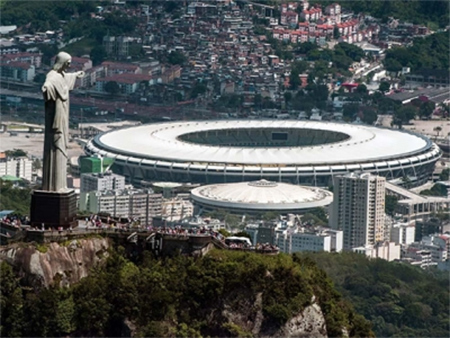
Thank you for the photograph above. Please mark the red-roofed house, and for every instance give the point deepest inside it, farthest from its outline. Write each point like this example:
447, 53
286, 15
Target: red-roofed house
128, 83
289, 19
17, 71
171, 74
312, 14
81, 63
120, 68
34, 59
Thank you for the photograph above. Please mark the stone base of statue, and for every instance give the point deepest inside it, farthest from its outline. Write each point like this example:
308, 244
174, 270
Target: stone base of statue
53, 209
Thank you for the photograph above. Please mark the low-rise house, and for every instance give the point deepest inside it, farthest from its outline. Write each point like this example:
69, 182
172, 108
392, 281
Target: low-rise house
128, 83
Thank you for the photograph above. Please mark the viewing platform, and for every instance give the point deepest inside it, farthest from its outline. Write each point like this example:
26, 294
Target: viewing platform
161, 241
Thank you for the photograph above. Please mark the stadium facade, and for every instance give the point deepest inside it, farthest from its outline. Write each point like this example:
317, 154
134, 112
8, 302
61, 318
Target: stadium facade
298, 152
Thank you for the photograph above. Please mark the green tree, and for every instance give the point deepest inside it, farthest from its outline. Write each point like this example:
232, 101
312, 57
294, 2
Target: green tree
37, 164
313, 219
232, 221
13, 198
361, 89
369, 115
65, 313
390, 204
437, 129
444, 175
350, 111
392, 65
39, 78
352, 51
405, 113
382, 292
176, 58
426, 109
11, 303
294, 79
320, 213
436, 190
336, 34
16, 153
287, 97
49, 52
112, 87
98, 55
224, 232
270, 216
300, 66
384, 87
92, 306
200, 88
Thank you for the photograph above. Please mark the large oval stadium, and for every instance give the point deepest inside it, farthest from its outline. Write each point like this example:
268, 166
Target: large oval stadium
299, 152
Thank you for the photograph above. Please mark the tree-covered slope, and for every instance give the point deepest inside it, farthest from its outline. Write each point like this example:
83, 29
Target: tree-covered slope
12, 198
426, 12
432, 52
222, 294
400, 300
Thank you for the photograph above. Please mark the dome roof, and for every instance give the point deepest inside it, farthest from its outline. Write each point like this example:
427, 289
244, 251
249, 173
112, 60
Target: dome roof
262, 195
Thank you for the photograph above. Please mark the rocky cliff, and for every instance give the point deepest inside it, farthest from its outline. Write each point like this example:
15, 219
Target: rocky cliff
66, 263
221, 294
249, 319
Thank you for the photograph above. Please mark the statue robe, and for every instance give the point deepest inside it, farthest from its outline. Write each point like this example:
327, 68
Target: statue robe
56, 95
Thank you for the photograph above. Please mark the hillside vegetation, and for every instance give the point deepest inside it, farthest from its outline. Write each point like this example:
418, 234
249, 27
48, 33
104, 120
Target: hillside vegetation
400, 300
13, 198
434, 13
181, 296
431, 52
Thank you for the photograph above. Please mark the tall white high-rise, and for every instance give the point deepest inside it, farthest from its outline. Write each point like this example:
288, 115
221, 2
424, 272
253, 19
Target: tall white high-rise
358, 209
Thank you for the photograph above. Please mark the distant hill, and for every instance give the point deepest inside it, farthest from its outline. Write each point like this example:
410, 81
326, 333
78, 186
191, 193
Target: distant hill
400, 300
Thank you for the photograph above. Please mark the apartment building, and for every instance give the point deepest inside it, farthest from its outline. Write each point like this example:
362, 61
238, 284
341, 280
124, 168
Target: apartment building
21, 167
99, 182
403, 233
292, 240
358, 209
140, 205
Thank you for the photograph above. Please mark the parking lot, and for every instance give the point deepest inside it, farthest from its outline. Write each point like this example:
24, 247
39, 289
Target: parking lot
32, 143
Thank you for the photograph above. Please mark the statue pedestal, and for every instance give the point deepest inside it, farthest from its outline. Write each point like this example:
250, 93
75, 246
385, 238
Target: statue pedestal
53, 209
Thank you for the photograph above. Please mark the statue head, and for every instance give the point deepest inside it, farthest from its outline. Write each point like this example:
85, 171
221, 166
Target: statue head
62, 61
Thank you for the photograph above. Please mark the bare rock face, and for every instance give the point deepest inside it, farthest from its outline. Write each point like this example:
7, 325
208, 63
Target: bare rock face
247, 314
42, 265
309, 323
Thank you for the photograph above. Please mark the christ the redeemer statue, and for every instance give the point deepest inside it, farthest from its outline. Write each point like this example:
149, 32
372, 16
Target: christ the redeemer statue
56, 94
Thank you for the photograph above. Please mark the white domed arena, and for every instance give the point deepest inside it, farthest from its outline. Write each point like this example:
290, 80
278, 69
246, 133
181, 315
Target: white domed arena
260, 196
298, 152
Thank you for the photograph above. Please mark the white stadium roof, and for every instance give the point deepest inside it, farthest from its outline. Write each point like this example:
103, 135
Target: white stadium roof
261, 195
162, 141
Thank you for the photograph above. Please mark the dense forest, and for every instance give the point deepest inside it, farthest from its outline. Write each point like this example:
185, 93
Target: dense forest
400, 300
187, 297
431, 52
179, 296
13, 198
